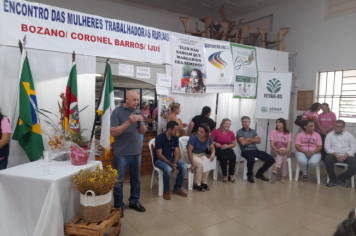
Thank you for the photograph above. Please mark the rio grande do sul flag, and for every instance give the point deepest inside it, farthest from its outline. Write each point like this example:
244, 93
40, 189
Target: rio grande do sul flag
107, 105
71, 113
28, 129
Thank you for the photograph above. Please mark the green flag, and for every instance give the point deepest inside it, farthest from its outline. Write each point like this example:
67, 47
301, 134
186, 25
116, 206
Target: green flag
28, 128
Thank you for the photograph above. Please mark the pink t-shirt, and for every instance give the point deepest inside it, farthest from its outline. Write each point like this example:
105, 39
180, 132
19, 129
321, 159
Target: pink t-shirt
147, 112
280, 139
308, 142
154, 113
5, 128
309, 113
221, 138
326, 120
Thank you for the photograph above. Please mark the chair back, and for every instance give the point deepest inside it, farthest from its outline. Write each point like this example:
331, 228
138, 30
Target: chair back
150, 144
183, 146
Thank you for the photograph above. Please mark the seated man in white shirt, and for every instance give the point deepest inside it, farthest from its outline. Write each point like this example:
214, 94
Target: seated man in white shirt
340, 146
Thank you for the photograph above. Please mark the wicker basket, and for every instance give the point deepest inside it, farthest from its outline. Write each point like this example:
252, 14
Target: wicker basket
95, 208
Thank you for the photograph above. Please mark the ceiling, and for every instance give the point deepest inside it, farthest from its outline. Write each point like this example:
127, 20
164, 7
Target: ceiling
202, 8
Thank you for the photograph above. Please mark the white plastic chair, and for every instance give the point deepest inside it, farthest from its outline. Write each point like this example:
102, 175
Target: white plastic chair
317, 169
346, 166
245, 166
183, 146
289, 162
160, 172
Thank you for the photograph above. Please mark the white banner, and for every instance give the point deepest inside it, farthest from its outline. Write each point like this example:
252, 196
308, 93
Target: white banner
273, 95
220, 70
57, 29
246, 71
188, 64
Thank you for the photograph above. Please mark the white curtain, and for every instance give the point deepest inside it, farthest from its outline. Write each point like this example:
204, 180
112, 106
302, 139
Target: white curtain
50, 71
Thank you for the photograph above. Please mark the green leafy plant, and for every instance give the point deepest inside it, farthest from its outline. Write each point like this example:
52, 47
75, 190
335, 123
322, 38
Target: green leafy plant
78, 138
274, 85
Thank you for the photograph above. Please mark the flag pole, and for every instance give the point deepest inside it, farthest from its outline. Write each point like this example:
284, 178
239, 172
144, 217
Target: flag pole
21, 46
101, 94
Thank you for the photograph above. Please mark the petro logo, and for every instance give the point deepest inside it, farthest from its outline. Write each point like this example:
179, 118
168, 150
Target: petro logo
216, 60
274, 85
264, 109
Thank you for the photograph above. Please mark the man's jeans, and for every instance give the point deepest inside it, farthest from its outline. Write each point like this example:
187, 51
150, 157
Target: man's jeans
167, 169
121, 163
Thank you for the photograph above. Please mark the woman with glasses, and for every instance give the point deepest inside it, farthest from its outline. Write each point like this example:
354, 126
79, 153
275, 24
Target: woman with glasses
308, 144
325, 125
174, 110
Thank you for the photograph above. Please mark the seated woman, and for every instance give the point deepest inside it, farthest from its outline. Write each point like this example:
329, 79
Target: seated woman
308, 144
174, 110
146, 112
197, 144
281, 141
224, 141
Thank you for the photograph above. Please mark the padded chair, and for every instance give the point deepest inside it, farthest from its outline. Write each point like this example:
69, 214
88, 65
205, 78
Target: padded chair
317, 169
182, 146
345, 167
160, 172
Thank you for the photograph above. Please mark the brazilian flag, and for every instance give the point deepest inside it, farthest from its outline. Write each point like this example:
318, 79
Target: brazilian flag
28, 129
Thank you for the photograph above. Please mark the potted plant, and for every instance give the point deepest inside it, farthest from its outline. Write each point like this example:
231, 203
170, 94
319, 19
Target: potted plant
79, 145
95, 188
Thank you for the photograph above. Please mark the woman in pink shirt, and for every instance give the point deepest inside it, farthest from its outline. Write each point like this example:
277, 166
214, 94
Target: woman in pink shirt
5, 134
312, 113
308, 144
325, 125
281, 141
224, 141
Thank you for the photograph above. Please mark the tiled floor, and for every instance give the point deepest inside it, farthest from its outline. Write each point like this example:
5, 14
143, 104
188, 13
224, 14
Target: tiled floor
264, 208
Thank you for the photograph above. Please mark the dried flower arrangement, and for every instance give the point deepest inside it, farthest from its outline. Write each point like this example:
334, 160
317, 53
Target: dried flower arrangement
100, 181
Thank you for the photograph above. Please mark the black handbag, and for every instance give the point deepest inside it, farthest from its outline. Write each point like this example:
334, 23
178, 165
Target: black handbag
298, 121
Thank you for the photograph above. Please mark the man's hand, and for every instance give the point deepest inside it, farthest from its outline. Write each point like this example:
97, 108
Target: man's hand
132, 119
174, 167
138, 118
342, 157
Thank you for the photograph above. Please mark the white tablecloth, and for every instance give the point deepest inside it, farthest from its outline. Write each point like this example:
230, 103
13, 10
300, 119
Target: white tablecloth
37, 205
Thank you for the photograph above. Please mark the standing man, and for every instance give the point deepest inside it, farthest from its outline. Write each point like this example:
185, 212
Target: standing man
340, 147
167, 159
126, 128
202, 118
248, 138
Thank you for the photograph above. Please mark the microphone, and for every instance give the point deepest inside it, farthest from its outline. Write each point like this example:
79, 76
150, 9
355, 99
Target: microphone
138, 112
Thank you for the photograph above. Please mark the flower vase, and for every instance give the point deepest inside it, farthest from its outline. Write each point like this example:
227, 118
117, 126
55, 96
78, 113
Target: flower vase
78, 155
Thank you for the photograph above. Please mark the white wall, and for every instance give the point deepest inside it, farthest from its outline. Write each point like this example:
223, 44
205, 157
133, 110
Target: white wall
155, 18
321, 45
50, 71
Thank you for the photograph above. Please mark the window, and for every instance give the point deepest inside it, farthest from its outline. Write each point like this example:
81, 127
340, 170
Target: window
338, 89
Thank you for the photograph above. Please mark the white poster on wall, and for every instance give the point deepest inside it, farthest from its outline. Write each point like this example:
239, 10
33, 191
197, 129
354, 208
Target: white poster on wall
163, 109
220, 70
164, 80
162, 90
188, 64
273, 95
143, 72
58, 29
126, 70
246, 71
